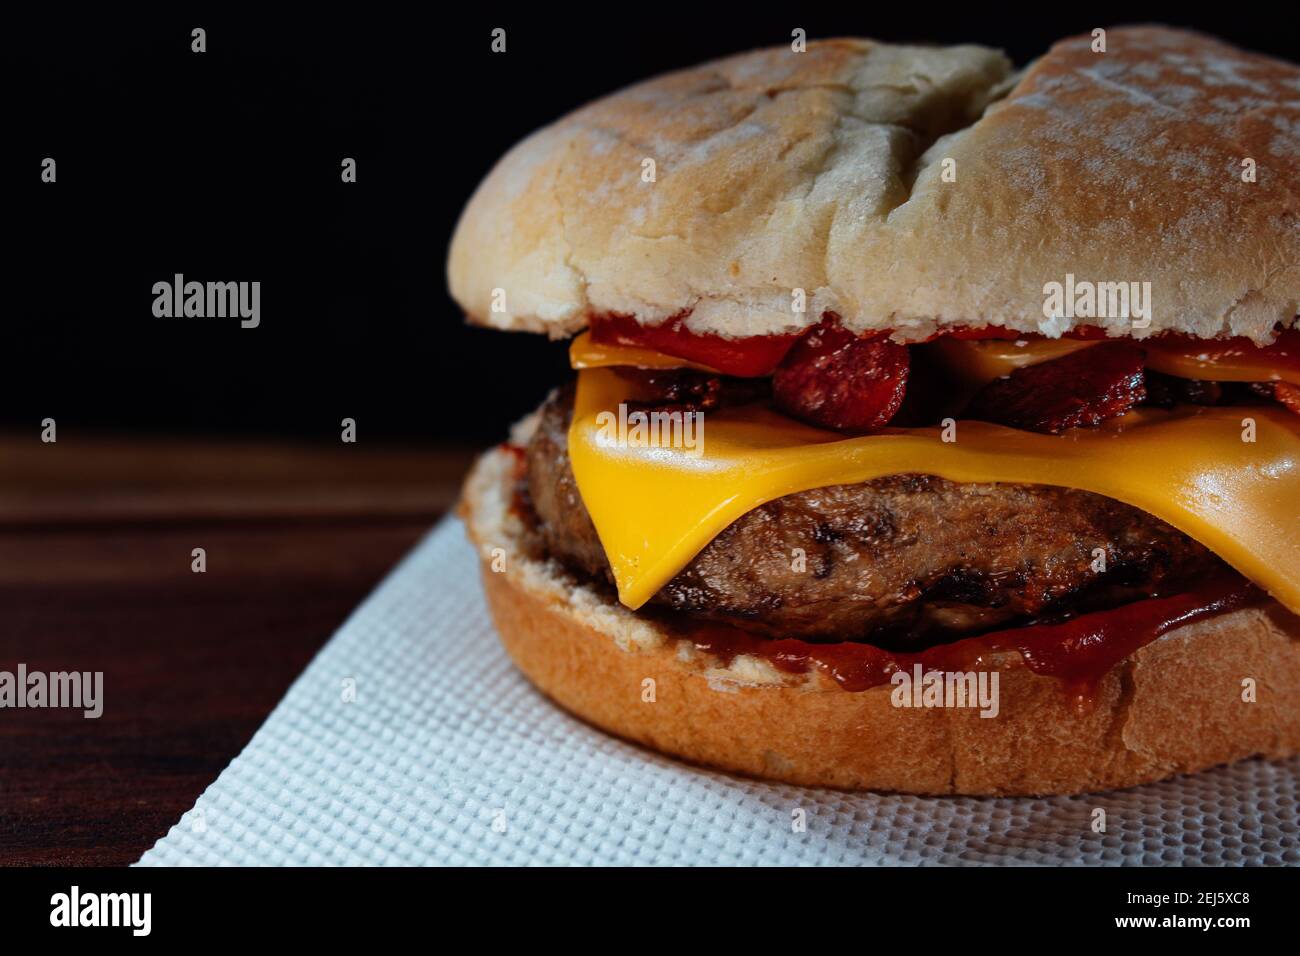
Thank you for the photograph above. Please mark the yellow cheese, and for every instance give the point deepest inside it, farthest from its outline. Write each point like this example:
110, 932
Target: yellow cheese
976, 363
584, 353
1222, 364
655, 508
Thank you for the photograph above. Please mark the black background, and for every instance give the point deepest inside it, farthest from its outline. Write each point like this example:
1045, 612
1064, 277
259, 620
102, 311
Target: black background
225, 166
332, 907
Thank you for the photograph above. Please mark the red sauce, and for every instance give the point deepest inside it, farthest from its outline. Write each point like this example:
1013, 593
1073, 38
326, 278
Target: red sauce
520, 455
520, 506
754, 357
1078, 652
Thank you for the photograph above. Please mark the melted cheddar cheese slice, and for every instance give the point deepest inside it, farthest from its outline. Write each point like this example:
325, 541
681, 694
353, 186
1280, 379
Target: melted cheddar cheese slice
585, 352
655, 508
976, 363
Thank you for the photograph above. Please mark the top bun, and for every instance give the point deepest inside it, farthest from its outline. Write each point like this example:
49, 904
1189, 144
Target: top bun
824, 171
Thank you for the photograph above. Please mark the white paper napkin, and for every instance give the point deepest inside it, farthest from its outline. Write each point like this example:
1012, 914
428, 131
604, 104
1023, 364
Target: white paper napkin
448, 756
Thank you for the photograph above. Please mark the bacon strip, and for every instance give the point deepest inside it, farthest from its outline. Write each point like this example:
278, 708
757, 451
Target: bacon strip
1288, 395
687, 390
1284, 393
1079, 390
839, 380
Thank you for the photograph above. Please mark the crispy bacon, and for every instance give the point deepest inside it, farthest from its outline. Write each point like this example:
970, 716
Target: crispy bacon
1166, 391
839, 380
1079, 390
1284, 393
688, 390
1288, 395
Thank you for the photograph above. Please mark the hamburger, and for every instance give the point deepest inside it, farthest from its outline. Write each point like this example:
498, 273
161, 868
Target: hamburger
906, 381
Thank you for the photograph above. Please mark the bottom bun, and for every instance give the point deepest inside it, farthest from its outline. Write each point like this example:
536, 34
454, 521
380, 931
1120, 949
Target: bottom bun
1175, 706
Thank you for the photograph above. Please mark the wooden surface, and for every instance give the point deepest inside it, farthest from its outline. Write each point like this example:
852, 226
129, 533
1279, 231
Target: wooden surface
95, 575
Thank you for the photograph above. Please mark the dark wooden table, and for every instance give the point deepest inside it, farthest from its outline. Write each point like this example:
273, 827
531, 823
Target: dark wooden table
95, 575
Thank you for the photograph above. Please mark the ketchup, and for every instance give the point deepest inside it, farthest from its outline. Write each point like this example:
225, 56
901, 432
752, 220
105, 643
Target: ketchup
753, 357
520, 506
1078, 652
520, 455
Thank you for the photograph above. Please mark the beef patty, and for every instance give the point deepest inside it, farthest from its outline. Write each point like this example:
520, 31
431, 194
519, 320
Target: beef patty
901, 561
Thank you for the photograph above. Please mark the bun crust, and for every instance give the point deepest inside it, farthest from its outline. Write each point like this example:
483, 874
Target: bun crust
822, 171
1175, 706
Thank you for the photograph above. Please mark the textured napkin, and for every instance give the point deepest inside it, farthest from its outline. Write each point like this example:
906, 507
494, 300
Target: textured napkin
410, 739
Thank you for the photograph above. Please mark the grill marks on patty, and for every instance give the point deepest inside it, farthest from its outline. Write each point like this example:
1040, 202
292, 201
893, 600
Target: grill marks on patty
898, 560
